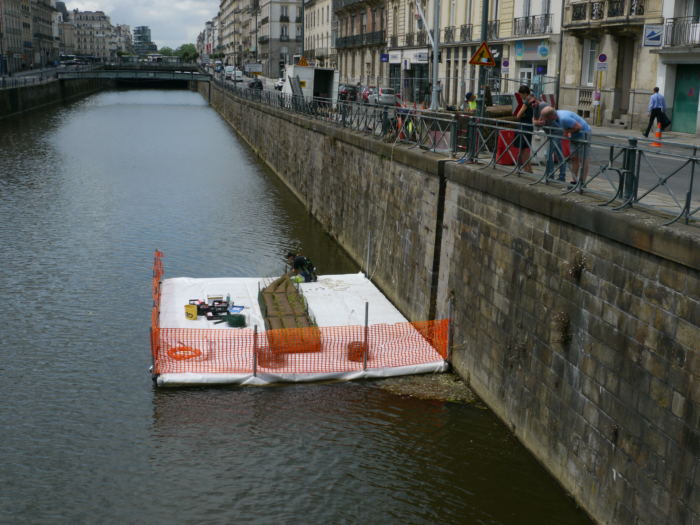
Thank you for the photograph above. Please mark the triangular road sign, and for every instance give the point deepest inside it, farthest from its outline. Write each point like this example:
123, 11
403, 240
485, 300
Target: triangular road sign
302, 61
483, 56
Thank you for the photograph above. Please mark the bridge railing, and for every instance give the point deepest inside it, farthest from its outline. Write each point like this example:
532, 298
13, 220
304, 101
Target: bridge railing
624, 172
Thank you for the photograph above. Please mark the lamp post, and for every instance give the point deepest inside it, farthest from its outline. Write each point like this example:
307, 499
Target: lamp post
484, 38
256, 6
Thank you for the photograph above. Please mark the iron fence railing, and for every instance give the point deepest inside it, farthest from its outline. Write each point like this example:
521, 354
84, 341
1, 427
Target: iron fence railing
682, 31
625, 172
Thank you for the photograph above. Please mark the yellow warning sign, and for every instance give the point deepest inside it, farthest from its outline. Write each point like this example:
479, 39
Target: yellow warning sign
483, 56
303, 62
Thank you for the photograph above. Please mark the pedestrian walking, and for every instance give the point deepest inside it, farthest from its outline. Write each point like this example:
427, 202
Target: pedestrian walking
657, 111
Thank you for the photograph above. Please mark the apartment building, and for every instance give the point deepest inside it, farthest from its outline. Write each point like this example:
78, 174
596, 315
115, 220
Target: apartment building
319, 32
93, 34
361, 43
678, 68
607, 72
44, 45
279, 35
123, 40
227, 35
12, 55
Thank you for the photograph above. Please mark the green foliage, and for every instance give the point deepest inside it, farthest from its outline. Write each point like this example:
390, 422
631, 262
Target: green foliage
166, 51
187, 52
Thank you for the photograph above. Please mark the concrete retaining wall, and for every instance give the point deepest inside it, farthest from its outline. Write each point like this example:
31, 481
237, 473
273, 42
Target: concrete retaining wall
17, 100
579, 326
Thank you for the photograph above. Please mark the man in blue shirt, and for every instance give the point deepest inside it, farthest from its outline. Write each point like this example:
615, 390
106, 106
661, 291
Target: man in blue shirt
580, 133
657, 108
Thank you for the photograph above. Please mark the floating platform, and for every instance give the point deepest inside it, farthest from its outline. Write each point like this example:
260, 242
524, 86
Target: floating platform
339, 345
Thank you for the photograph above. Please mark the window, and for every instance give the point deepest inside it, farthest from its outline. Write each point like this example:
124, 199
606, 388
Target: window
590, 55
453, 5
284, 30
284, 10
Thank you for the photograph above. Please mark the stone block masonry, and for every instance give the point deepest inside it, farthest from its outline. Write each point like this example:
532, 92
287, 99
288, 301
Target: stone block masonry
579, 326
26, 98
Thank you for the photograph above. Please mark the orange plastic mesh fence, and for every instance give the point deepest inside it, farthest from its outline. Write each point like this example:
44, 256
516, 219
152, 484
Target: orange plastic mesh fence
155, 312
299, 350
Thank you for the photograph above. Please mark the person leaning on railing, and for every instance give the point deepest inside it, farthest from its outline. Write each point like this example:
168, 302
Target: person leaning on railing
555, 153
580, 133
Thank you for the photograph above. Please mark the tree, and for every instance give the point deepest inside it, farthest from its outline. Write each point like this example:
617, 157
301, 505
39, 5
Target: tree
187, 52
166, 51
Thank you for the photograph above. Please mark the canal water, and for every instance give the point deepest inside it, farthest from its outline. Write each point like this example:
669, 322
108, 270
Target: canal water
87, 192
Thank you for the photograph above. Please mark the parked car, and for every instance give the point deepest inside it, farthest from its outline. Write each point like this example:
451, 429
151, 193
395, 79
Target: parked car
347, 92
256, 83
382, 95
279, 84
364, 94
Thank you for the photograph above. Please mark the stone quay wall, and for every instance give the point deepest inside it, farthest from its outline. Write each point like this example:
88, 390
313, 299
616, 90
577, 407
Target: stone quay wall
577, 325
14, 101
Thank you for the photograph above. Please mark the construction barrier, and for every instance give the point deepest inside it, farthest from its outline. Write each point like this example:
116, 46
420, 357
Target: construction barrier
309, 350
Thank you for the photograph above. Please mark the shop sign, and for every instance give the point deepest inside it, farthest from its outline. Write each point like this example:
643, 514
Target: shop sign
653, 34
394, 57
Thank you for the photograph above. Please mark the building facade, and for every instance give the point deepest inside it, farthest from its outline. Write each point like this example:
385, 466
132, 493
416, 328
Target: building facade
279, 35
142, 43
678, 68
361, 41
320, 25
44, 44
12, 55
607, 75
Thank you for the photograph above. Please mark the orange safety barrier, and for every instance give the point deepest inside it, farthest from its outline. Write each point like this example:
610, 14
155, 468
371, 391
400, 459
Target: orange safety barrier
299, 350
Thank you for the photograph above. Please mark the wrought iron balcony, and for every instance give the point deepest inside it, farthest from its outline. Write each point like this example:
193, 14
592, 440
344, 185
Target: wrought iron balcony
284, 18
465, 33
298, 19
603, 10
682, 31
264, 21
409, 38
448, 36
321, 52
421, 37
363, 39
493, 28
532, 25
263, 39
284, 38
394, 41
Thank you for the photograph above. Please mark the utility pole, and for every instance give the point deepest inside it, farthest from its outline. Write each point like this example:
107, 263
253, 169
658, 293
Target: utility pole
256, 5
302, 26
484, 38
435, 41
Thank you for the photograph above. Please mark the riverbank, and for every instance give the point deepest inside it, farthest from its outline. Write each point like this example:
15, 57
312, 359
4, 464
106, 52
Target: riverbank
17, 100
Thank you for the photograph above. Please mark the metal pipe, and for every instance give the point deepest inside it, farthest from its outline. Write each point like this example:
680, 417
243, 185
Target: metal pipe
484, 39
255, 351
366, 346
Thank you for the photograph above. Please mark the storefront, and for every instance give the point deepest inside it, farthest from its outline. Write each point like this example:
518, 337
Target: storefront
409, 73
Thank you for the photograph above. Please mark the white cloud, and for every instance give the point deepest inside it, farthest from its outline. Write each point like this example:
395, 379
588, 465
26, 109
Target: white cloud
172, 22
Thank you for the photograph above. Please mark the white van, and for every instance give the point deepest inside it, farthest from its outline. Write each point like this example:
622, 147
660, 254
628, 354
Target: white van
228, 71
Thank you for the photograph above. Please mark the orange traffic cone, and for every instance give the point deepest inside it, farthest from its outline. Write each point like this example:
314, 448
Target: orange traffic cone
657, 142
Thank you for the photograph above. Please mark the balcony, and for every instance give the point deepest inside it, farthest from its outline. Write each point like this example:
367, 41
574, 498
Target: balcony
421, 37
493, 27
465, 33
394, 41
321, 52
683, 31
297, 38
364, 39
298, 20
448, 36
284, 38
310, 53
602, 11
409, 39
532, 25
264, 20
263, 39
284, 18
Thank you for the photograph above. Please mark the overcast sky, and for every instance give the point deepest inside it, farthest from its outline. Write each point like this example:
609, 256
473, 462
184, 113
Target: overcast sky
172, 22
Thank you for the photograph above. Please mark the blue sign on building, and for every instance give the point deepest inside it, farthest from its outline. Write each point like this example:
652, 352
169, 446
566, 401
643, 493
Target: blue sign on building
384, 57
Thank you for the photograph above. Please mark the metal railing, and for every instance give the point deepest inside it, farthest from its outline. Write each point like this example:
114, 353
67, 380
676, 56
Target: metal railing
622, 172
532, 25
682, 31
